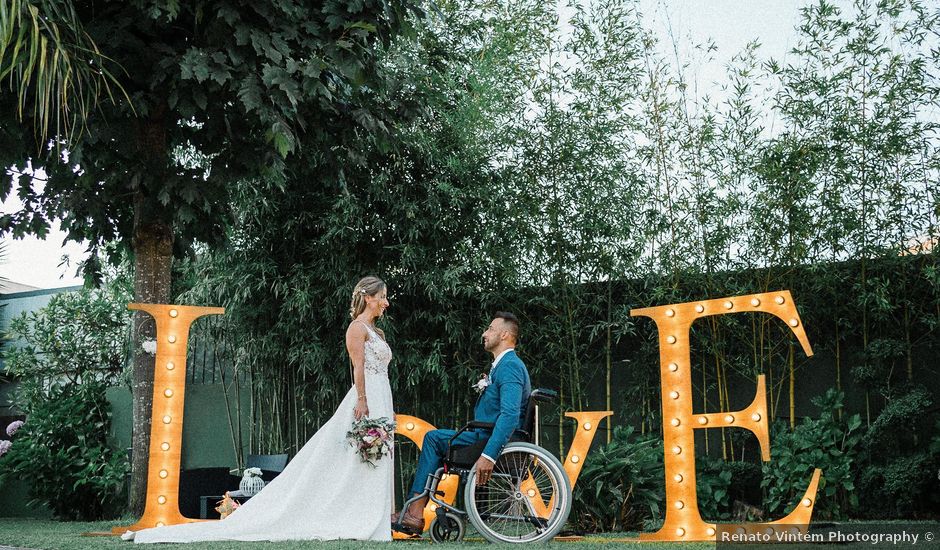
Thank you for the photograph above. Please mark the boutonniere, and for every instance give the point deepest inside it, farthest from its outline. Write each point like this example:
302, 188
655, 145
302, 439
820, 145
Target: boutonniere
482, 383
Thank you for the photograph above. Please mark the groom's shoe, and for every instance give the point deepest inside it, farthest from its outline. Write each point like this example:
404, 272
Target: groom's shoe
408, 524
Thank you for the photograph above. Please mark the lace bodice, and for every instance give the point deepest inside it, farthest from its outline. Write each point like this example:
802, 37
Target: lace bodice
378, 354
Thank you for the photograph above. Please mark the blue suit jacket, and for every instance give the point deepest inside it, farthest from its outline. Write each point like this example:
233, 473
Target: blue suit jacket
503, 402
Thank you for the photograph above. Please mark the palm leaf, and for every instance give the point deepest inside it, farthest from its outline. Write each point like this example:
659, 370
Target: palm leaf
54, 67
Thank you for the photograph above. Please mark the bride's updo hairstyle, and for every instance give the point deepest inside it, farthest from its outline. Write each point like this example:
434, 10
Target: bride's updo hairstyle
367, 286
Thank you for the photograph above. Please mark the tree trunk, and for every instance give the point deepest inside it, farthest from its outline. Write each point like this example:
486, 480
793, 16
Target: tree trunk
153, 258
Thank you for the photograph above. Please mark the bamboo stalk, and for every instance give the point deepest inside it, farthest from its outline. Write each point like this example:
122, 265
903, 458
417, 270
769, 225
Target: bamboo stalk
791, 363
705, 397
838, 365
608, 359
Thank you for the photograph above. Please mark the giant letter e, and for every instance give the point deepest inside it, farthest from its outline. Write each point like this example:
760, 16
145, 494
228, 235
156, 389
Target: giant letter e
683, 520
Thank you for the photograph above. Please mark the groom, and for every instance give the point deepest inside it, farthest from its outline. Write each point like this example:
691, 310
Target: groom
503, 403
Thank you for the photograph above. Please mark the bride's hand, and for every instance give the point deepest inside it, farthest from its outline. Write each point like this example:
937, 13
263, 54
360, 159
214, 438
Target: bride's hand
361, 410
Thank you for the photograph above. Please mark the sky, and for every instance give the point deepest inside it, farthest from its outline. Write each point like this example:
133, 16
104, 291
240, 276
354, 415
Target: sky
731, 24
38, 262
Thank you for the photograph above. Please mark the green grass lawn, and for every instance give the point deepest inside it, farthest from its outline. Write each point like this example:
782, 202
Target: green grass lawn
56, 535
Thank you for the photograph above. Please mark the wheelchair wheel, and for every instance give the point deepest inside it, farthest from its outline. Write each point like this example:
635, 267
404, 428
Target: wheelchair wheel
527, 499
447, 528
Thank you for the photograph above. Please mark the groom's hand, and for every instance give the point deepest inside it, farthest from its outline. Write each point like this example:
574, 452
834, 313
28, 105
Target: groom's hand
484, 470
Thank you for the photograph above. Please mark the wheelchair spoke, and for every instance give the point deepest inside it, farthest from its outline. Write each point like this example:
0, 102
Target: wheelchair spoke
517, 502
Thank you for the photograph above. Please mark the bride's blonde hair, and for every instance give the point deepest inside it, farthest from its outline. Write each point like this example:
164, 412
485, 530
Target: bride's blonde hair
367, 286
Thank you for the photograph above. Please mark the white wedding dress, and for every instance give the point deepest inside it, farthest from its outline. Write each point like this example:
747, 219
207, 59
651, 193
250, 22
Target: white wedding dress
326, 492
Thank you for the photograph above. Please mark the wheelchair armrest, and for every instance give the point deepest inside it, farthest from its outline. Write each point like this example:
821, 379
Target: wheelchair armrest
471, 426
476, 425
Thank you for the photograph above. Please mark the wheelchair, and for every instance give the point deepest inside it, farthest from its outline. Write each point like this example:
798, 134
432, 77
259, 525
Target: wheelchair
527, 498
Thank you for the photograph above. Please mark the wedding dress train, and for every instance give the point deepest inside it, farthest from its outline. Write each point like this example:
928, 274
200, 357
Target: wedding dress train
326, 492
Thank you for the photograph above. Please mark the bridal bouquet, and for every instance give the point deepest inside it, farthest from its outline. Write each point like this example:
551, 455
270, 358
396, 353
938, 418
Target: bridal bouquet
372, 438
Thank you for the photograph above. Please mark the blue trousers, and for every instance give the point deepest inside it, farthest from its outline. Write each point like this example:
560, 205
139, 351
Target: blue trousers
433, 450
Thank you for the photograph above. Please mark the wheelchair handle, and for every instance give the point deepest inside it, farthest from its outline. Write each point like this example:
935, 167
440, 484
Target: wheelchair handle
543, 395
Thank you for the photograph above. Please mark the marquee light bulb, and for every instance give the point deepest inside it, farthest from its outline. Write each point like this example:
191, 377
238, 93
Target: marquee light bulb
587, 426
680, 532
673, 367
677, 478
679, 505
674, 394
671, 339
165, 445
575, 459
170, 365
410, 425
670, 313
780, 300
171, 339
794, 322
164, 473
676, 422
807, 502
161, 499
168, 392
755, 302
755, 417
702, 420
174, 313
699, 308
710, 531
729, 304
677, 450
167, 419
729, 419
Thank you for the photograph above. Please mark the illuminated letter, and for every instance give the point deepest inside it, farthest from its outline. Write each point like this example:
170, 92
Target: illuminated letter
166, 426
415, 429
683, 520
583, 437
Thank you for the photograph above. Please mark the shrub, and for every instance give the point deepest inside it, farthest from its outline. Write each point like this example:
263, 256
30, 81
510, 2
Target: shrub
66, 356
622, 485
827, 443
63, 453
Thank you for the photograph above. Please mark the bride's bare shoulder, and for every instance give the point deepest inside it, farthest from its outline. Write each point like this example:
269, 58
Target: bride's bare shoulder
356, 330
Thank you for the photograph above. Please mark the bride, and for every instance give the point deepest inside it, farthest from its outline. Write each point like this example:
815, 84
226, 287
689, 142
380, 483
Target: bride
326, 492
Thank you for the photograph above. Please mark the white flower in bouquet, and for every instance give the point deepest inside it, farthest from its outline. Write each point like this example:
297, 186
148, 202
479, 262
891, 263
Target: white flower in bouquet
482, 383
252, 472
